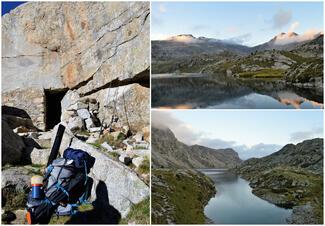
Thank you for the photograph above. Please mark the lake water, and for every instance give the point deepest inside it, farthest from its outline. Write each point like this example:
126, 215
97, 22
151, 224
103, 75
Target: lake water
234, 202
195, 91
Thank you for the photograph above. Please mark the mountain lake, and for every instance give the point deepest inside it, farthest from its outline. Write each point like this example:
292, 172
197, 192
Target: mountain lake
194, 90
234, 202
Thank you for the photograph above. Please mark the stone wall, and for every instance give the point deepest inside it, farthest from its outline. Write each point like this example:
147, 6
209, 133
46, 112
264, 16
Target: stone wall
31, 100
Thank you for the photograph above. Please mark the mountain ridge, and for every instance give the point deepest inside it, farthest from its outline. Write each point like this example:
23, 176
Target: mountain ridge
307, 154
169, 152
190, 38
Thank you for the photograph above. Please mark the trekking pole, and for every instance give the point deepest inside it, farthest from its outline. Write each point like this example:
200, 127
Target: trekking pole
56, 144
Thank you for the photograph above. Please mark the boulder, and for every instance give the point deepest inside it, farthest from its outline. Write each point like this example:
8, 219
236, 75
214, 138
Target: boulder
70, 98
89, 123
40, 156
138, 137
66, 115
78, 106
92, 139
94, 129
12, 145
137, 161
43, 143
125, 159
83, 113
45, 135
16, 177
107, 146
124, 187
142, 152
75, 124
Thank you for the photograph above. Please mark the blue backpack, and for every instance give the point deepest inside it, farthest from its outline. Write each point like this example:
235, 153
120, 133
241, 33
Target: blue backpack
66, 186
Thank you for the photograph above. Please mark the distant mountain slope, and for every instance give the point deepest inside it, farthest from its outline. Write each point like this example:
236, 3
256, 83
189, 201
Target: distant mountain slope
187, 45
291, 177
306, 155
168, 152
288, 56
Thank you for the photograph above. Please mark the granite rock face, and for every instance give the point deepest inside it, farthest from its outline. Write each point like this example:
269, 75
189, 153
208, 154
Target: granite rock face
85, 46
131, 103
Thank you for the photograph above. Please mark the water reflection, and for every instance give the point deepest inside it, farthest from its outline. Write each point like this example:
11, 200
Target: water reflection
234, 202
193, 91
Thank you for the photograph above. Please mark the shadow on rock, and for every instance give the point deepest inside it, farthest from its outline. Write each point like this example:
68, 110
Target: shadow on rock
103, 212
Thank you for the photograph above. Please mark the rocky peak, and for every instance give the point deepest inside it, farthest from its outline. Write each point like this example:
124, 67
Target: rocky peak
168, 152
306, 155
183, 38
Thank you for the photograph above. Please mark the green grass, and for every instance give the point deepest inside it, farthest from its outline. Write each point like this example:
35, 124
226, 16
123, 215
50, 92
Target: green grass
145, 166
110, 140
295, 57
139, 213
187, 194
286, 191
263, 73
13, 199
84, 132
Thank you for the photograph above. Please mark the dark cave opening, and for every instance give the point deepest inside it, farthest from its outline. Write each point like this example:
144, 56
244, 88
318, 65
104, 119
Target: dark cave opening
53, 107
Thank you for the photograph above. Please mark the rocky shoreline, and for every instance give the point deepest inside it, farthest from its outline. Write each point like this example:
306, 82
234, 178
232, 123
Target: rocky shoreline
290, 178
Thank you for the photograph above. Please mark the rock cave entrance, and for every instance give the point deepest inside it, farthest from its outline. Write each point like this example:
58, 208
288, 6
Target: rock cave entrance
53, 107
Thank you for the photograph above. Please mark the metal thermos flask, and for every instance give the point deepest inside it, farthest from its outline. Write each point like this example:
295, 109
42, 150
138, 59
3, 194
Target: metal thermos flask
37, 187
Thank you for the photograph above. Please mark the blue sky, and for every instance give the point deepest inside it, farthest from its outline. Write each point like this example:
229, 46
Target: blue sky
7, 6
250, 133
248, 23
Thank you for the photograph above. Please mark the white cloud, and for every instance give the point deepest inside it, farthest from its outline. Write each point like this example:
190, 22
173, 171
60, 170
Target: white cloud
241, 39
304, 135
281, 19
293, 27
159, 36
257, 150
289, 38
186, 134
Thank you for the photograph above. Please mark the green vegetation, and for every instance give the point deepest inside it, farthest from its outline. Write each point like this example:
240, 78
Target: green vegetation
263, 73
13, 199
291, 187
139, 213
145, 166
297, 58
110, 140
84, 132
185, 195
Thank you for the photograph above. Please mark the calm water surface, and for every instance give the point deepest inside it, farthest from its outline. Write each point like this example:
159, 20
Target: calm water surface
202, 91
235, 203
